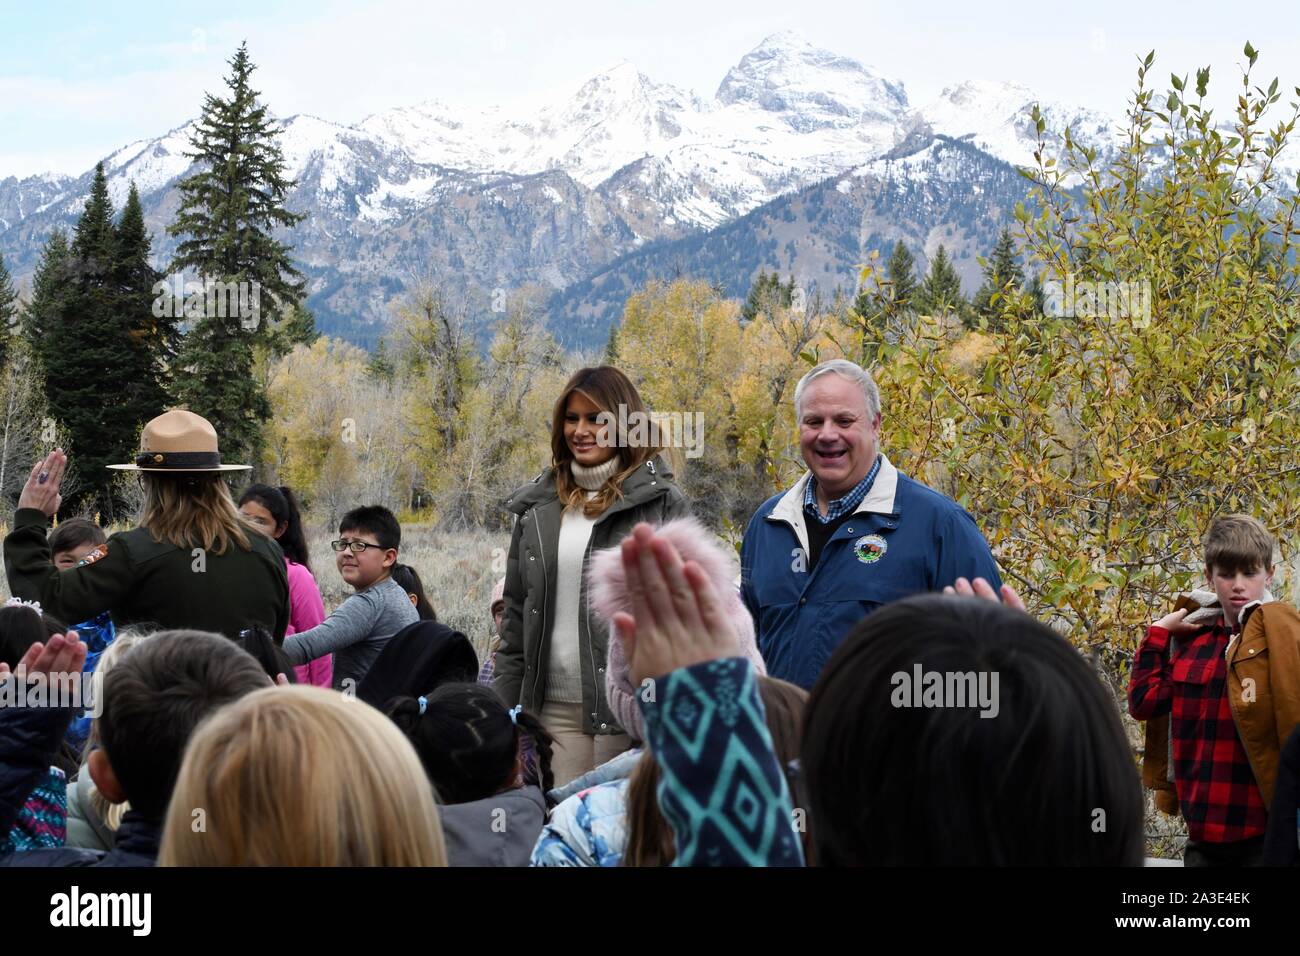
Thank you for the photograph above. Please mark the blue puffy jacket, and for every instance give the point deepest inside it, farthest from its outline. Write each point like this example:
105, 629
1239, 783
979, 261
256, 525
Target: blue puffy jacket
903, 539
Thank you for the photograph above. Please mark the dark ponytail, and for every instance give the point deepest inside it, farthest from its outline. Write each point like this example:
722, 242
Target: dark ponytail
258, 642
543, 743
467, 742
283, 506
410, 582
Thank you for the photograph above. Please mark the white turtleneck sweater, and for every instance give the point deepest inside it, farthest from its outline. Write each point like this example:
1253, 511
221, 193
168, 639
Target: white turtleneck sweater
564, 671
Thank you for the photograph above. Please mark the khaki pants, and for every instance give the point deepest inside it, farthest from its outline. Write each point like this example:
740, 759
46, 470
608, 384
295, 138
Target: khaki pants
576, 752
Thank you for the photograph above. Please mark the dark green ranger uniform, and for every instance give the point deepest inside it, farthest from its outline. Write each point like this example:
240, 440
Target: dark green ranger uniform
140, 580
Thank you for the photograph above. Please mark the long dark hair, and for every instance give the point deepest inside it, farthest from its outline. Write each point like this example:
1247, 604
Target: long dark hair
283, 506
467, 741
21, 626
410, 582
1047, 779
259, 642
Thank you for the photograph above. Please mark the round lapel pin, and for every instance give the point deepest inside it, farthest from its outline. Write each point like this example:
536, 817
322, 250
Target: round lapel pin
870, 548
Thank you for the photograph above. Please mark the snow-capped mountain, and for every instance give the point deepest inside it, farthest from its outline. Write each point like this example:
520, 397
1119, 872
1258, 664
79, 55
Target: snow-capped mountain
996, 117
553, 193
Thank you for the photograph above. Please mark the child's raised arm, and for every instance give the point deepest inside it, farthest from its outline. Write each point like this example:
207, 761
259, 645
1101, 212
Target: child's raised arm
352, 621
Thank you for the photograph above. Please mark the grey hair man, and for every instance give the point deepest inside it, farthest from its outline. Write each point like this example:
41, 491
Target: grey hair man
853, 532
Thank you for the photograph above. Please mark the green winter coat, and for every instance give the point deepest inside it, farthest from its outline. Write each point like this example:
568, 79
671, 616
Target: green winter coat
144, 581
649, 494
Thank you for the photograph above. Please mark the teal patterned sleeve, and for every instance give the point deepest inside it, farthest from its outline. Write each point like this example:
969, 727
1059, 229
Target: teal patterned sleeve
721, 787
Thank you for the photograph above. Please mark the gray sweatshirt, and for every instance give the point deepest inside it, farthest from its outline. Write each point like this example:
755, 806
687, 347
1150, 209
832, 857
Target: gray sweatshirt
495, 831
356, 632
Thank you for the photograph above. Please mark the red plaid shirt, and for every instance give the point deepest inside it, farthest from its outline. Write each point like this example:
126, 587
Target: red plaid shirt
1216, 786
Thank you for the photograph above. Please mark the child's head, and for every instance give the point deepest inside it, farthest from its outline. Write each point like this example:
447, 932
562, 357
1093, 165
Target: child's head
302, 776
21, 626
1238, 561
275, 513
376, 527
154, 697
111, 813
649, 838
405, 575
72, 540
468, 742
901, 767
498, 606
261, 646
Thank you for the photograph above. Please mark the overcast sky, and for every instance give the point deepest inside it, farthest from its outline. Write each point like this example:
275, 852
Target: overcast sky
79, 79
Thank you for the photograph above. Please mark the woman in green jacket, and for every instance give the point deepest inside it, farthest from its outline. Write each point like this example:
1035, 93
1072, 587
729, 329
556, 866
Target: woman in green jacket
607, 474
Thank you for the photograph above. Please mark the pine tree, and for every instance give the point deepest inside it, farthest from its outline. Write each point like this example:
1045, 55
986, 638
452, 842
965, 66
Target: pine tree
611, 345
1002, 275
86, 348
229, 209
901, 270
152, 334
8, 310
766, 294
381, 366
940, 291
49, 286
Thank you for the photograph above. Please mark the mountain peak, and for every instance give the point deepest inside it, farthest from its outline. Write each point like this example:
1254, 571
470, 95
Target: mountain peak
815, 87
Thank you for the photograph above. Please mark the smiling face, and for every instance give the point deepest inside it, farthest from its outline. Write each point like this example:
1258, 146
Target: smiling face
589, 442
360, 570
68, 559
838, 436
1236, 589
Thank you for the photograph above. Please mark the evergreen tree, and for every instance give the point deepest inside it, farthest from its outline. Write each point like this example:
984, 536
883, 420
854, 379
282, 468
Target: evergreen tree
767, 293
8, 310
152, 334
901, 270
49, 286
940, 291
297, 327
611, 345
228, 211
381, 366
1002, 275
90, 359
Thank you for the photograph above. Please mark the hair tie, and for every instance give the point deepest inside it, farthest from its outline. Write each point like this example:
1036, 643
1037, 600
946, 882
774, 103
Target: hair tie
514, 714
19, 602
424, 703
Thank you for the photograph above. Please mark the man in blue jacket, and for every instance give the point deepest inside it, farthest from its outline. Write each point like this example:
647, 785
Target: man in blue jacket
852, 534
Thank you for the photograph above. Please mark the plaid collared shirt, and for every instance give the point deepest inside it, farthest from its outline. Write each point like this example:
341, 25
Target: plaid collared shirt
840, 506
1217, 790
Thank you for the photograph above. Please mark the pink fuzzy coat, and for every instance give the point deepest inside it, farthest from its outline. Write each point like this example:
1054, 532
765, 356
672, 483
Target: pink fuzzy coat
608, 594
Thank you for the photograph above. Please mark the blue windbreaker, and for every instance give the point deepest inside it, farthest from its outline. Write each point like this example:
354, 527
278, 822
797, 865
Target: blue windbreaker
903, 539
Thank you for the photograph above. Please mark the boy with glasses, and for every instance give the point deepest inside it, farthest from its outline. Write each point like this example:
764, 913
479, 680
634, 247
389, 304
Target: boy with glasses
357, 631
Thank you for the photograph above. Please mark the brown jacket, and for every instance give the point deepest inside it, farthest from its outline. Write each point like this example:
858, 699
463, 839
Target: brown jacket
1264, 694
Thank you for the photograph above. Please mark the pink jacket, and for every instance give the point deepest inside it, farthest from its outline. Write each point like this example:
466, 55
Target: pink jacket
306, 610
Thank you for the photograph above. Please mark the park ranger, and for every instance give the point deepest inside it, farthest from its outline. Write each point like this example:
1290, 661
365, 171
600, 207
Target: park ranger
192, 563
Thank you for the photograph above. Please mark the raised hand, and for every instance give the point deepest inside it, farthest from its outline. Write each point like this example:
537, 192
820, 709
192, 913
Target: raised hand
677, 618
62, 654
42, 488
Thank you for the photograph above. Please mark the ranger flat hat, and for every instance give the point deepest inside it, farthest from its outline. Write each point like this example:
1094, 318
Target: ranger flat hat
179, 441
